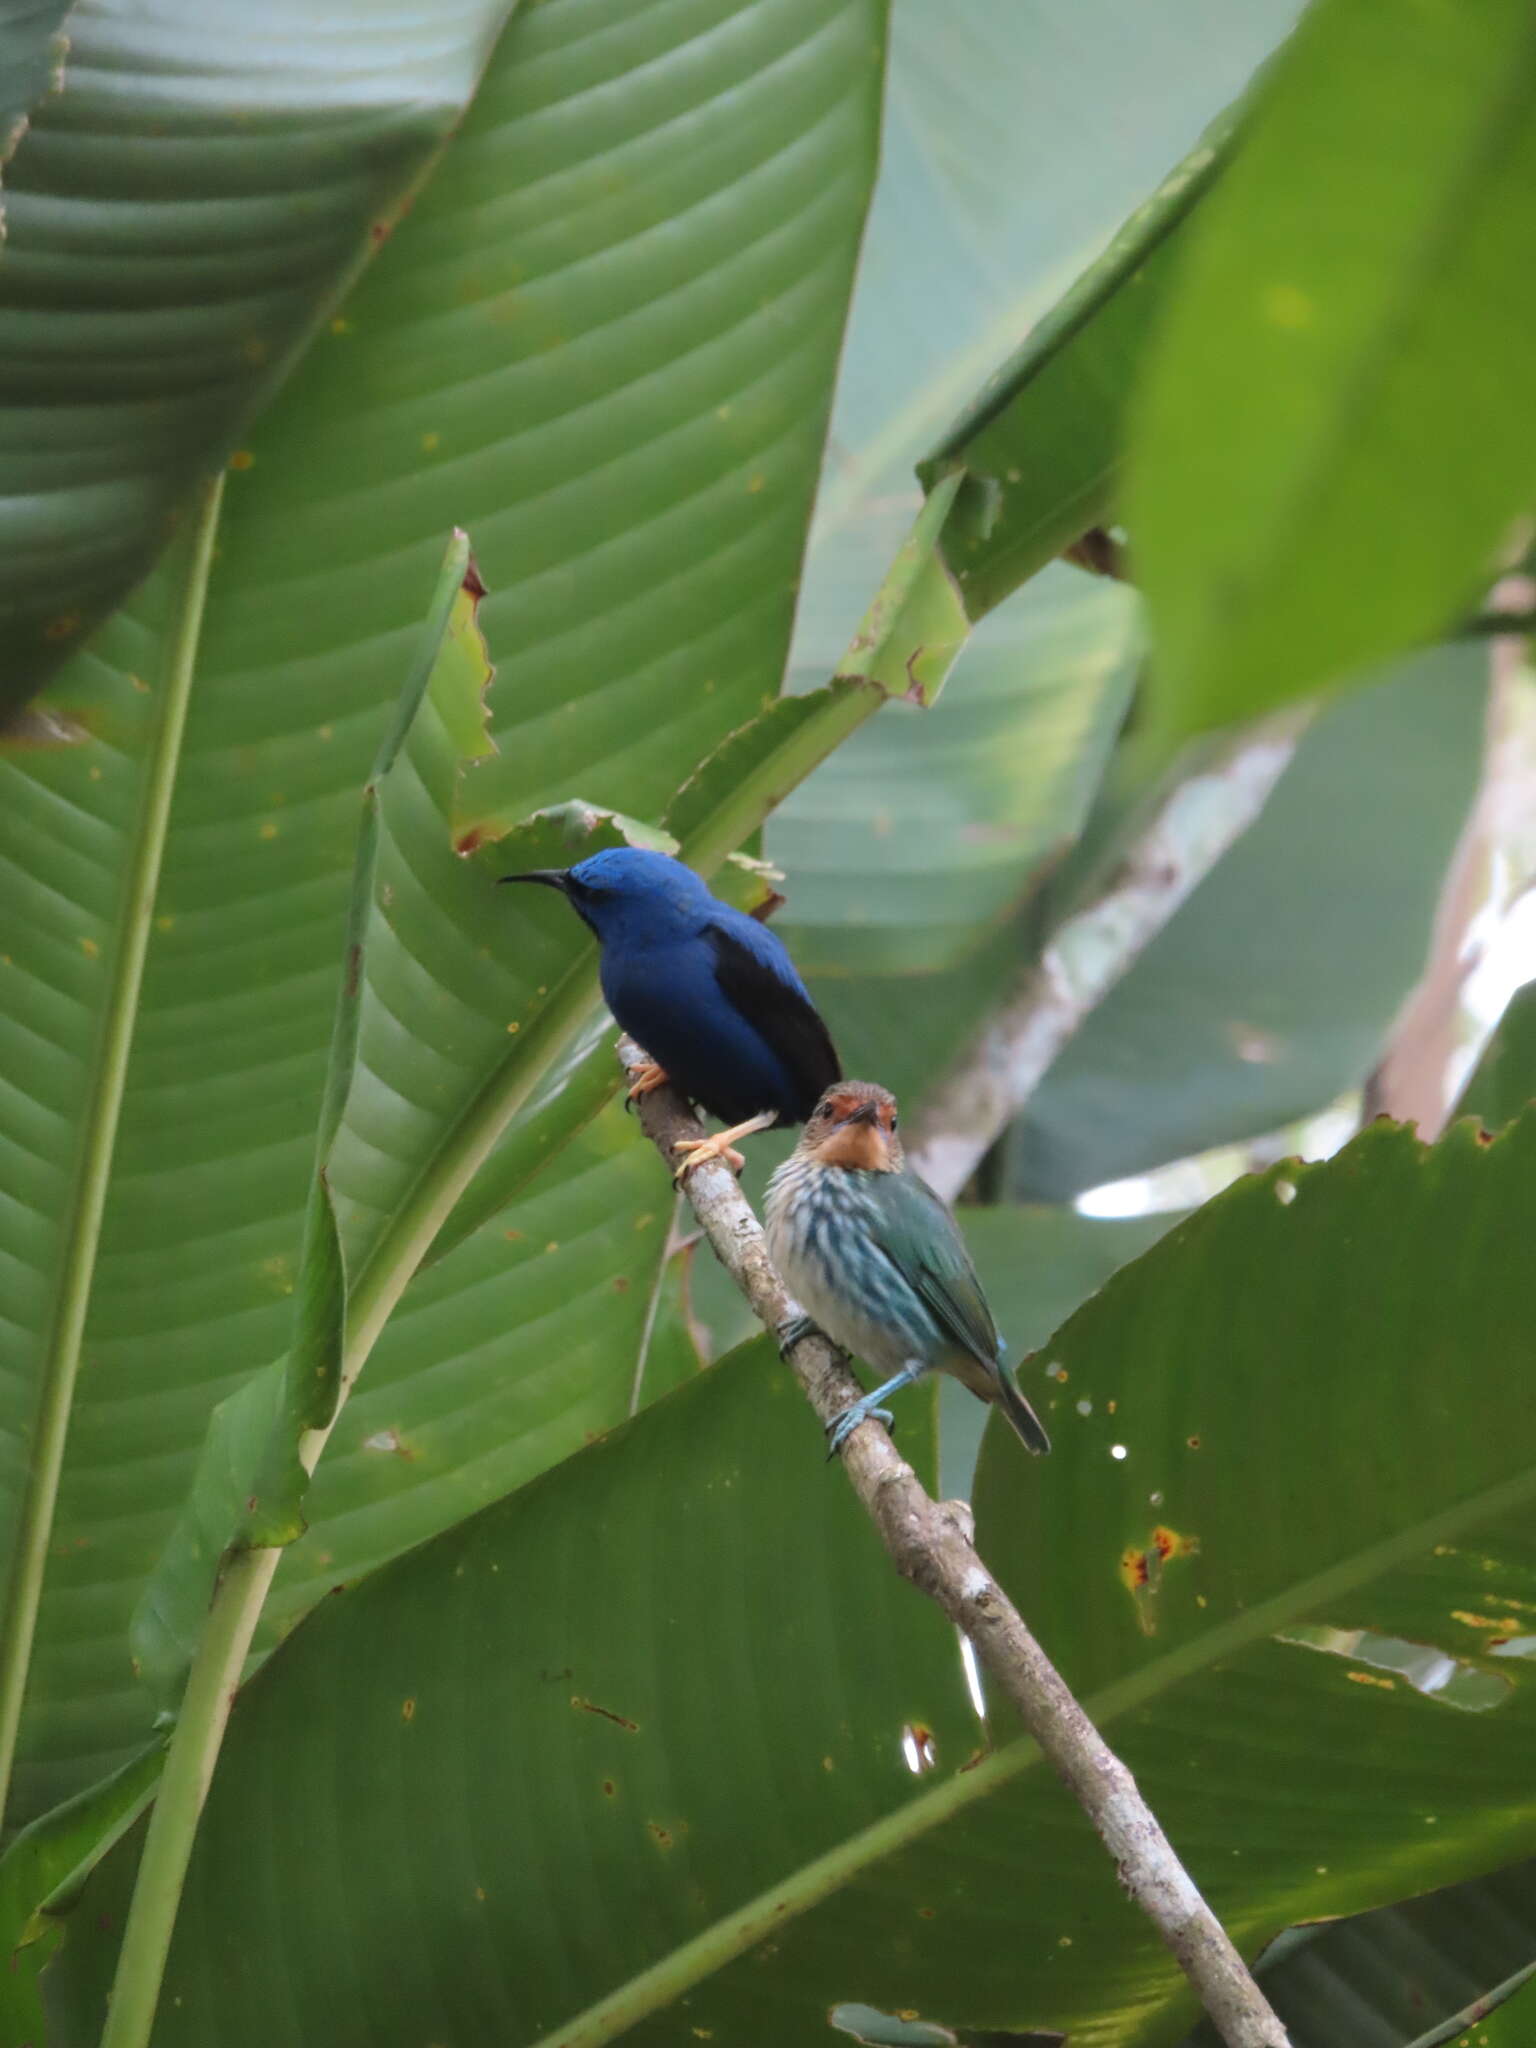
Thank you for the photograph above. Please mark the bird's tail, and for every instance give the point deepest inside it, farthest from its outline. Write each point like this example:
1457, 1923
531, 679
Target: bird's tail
1019, 1412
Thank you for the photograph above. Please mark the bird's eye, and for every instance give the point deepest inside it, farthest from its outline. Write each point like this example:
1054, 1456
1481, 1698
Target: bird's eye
894, 1119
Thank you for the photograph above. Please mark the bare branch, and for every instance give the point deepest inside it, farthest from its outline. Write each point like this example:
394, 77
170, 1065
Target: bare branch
930, 1544
1191, 828
1412, 1082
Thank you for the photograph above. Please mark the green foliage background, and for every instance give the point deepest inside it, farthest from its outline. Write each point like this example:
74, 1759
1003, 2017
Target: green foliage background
679, 310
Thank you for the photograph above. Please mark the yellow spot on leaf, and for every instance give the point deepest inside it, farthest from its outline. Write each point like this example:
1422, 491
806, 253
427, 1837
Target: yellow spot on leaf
241, 459
89, 948
340, 326
1509, 1625
64, 627
1370, 1678
754, 485
268, 829
407, 1710
326, 732
1285, 306
165, 922
429, 442
514, 1025
480, 1893
552, 1246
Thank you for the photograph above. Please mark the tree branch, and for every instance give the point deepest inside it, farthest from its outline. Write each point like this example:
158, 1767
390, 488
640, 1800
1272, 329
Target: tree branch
1191, 827
930, 1544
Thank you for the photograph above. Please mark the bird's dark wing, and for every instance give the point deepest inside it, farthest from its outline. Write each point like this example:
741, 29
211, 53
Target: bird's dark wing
758, 978
920, 1237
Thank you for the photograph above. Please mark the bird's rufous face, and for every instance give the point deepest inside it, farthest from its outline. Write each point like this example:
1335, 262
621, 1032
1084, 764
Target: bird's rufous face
854, 1124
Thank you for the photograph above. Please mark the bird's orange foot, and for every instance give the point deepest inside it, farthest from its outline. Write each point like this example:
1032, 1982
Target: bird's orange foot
722, 1145
647, 1080
702, 1150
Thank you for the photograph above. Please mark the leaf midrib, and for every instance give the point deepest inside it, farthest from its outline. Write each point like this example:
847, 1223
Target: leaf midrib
92, 1170
735, 1933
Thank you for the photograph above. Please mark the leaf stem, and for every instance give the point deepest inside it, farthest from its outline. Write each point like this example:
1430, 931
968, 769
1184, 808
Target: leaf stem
61, 1364
189, 1763
1452, 2029
653, 1304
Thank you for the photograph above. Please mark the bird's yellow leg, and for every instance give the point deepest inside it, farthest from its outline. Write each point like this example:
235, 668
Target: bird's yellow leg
722, 1145
648, 1079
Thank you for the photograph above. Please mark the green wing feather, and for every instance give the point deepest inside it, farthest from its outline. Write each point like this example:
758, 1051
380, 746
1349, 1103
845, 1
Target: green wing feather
922, 1240
920, 1237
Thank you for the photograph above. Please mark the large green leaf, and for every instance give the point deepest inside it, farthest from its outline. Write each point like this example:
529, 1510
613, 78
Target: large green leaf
543, 1661
1327, 456
1270, 990
42, 1873
249, 1487
198, 188
30, 48
1410, 1326
916, 839
1378, 1980
563, 360
908, 851
1253, 1565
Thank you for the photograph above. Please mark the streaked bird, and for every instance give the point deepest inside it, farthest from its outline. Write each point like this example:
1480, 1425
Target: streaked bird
709, 992
875, 1258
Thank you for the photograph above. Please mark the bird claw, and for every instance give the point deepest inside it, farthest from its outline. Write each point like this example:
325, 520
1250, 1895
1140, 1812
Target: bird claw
792, 1329
722, 1145
702, 1151
841, 1427
648, 1078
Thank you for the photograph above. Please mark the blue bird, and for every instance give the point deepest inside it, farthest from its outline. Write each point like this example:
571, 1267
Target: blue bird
709, 993
875, 1257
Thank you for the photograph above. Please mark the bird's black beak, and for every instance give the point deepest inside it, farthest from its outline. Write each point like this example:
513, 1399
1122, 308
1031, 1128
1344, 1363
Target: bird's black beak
552, 878
866, 1113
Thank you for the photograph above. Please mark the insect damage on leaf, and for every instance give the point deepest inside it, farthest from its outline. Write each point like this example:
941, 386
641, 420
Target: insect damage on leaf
1141, 1570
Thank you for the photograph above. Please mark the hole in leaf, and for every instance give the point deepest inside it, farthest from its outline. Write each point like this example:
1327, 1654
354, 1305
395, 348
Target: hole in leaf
972, 1669
1428, 1670
886, 2030
919, 1752
897, 2030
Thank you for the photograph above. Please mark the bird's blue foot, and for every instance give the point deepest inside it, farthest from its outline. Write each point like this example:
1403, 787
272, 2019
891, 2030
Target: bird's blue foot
841, 1427
791, 1330
867, 1406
